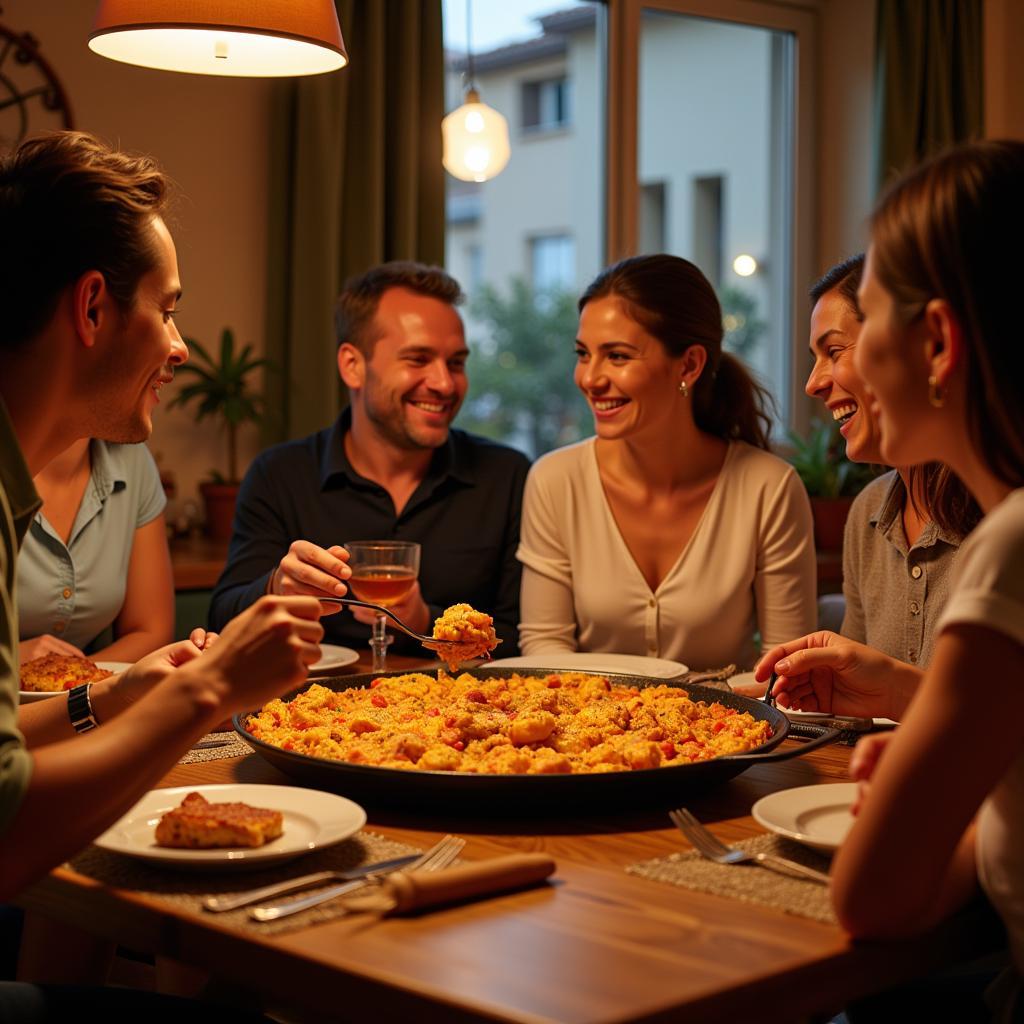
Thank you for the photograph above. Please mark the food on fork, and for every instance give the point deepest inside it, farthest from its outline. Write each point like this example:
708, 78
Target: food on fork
561, 723
198, 825
55, 672
471, 635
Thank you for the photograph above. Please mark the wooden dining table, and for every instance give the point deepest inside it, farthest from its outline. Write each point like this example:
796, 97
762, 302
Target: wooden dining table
596, 945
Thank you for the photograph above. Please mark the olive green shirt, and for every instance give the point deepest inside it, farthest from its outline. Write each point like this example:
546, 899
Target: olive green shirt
18, 504
894, 593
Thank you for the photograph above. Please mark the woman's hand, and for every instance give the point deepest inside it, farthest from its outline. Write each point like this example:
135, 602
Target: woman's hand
112, 696
827, 672
863, 762
39, 646
202, 639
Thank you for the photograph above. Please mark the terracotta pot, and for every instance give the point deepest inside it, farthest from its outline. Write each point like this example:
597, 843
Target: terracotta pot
220, 508
829, 520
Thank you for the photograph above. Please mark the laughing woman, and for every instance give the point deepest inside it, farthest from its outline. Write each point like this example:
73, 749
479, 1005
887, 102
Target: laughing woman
940, 352
905, 527
673, 533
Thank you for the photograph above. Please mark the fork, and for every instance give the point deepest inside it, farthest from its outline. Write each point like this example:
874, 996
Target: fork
711, 847
430, 642
437, 857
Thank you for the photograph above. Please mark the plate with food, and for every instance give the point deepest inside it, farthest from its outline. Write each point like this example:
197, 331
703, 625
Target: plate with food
233, 825
115, 666
817, 816
333, 657
518, 740
55, 673
618, 664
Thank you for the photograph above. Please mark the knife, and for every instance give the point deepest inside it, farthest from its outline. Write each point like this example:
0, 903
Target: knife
219, 904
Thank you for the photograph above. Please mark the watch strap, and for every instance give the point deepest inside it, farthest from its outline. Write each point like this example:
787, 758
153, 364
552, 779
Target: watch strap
80, 708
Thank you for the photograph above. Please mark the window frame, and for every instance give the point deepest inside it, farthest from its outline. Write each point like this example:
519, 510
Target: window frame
622, 195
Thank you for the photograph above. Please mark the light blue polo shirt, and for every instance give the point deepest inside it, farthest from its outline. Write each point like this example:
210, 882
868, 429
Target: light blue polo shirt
76, 590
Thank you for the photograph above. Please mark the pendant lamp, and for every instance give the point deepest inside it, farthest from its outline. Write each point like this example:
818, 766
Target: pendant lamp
238, 38
475, 135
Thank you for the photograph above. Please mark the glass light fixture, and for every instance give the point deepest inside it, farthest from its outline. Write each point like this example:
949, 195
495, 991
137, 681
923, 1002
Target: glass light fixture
475, 135
745, 265
238, 38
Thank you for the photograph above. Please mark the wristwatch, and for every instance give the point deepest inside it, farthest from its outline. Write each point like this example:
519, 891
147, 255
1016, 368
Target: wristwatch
80, 709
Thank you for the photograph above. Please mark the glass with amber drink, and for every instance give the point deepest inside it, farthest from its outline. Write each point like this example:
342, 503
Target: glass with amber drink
383, 572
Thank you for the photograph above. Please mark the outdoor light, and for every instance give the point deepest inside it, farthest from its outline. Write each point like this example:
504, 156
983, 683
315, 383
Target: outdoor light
475, 135
744, 265
241, 38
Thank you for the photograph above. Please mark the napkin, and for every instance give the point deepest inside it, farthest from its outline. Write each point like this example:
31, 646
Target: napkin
404, 892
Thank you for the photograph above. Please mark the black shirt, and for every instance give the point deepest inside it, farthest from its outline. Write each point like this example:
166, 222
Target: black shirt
465, 514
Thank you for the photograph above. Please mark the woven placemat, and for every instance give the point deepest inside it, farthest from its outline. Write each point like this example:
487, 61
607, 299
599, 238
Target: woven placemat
749, 882
716, 678
235, 746
187, 890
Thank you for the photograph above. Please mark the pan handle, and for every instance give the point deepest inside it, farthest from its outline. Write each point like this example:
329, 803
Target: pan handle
823, 734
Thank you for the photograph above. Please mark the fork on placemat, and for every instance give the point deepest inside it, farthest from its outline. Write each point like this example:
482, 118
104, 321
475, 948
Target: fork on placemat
710, 846
437, 857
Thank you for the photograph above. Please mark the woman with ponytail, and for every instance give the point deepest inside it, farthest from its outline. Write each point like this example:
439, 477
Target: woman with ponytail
674, 532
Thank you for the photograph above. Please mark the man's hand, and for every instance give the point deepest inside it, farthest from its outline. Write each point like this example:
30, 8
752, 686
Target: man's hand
28, 650
827, 672
312, 570
412, 610
263, 652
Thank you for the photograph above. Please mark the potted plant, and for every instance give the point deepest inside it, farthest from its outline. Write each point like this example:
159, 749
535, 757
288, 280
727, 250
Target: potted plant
831, 479
221, 387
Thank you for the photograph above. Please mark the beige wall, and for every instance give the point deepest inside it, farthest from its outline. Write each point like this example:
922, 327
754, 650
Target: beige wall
211, 136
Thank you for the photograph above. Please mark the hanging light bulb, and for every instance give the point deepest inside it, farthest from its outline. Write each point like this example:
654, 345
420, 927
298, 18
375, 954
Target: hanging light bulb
475, 140
475, 135
240, 38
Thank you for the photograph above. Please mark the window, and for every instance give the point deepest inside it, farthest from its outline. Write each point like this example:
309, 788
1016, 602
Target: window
525, 244
552, 263
709, 97
545, 104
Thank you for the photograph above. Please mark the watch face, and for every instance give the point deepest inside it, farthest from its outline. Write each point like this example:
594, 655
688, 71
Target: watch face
31, 96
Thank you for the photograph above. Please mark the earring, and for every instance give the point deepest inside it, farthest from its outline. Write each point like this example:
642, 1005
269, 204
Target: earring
935, 394
684, 389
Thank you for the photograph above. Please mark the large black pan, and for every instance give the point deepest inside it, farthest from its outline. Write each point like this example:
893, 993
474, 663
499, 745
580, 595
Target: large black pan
464, 791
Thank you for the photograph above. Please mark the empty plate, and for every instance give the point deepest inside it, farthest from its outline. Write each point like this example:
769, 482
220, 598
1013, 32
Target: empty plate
817, 816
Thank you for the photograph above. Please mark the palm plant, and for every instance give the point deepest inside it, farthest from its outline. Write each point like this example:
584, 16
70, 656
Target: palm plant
822, 465
221, 387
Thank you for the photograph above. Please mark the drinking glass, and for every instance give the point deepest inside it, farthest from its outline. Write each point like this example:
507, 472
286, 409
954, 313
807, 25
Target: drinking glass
383, 572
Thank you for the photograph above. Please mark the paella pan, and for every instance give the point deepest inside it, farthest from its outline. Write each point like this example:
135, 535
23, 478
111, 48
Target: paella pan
481, 791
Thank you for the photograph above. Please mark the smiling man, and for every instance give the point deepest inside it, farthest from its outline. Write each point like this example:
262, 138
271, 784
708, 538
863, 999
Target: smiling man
390, 468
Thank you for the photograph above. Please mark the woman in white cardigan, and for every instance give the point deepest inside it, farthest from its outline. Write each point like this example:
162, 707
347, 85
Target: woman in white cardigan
673, 532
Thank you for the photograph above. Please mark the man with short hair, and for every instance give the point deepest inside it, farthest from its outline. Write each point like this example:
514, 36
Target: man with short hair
88, 284
390, 468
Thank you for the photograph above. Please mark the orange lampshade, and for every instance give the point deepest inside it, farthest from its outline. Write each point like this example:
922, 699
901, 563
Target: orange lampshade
243, 38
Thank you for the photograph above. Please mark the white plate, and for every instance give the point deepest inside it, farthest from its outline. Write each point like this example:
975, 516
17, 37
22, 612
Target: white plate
817, 816
311, 820
627, 664
115, 666
332, 657
28, 696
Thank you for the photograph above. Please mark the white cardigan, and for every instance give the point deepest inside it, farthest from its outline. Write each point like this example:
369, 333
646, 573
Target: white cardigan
749, 566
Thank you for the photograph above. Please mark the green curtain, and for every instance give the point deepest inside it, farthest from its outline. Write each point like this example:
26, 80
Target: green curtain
928, 80
356, 179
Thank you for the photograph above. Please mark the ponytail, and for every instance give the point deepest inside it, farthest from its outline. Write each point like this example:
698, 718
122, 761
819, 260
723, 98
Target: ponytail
732, 405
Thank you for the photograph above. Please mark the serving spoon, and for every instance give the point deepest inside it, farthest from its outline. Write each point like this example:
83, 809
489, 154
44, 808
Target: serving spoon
430, 642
